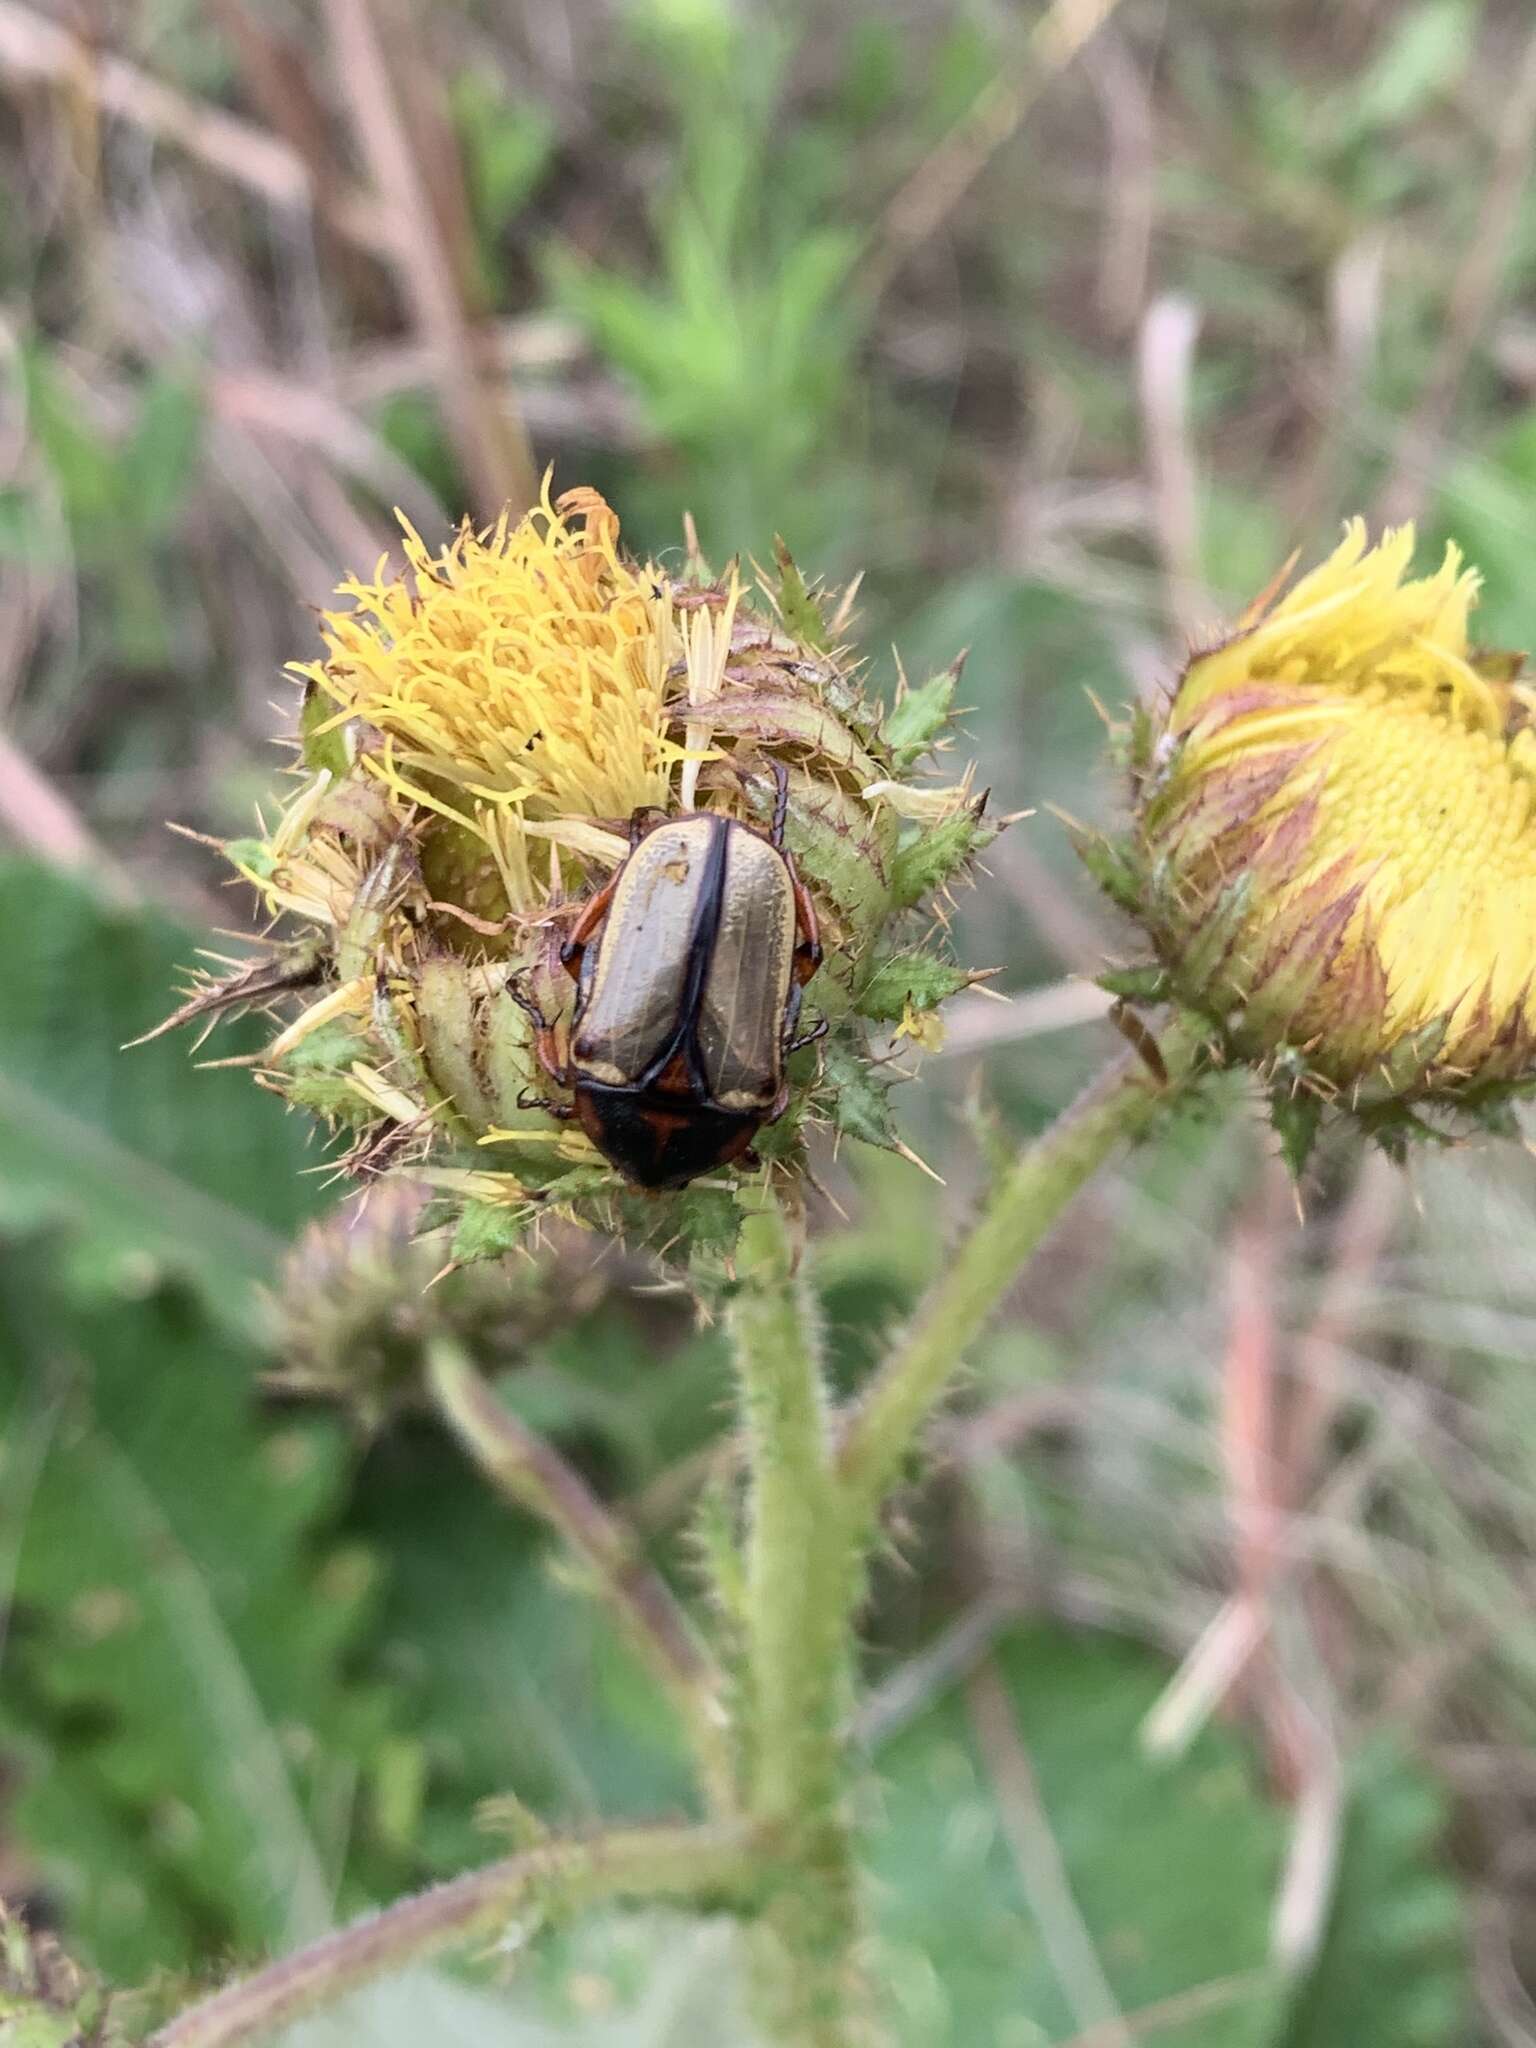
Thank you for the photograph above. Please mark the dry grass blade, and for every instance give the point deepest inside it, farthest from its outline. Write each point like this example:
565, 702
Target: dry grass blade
1130, 186
488, 438
1164, 359
260, 402
976, 1025
1148, 2021
36, 51
40, 819
280, 87
1038, 1858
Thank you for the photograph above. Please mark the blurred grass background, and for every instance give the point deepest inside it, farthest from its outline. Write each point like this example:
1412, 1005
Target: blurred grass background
1204, 1673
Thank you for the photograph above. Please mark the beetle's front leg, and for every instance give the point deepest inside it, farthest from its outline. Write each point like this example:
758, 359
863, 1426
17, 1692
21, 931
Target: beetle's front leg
562, 1111
789, 1041
807, 927
818, 1030
546, 1050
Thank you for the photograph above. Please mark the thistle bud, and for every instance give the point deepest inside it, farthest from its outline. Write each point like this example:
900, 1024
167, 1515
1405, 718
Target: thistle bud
1333, 852
475, 742
365, 1289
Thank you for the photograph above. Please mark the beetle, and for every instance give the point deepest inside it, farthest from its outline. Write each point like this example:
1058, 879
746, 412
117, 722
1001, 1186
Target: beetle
689, 965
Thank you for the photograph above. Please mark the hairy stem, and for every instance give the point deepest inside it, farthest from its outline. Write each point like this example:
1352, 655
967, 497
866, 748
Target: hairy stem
883, 1429
710, 1866
533, 1475
798, 1626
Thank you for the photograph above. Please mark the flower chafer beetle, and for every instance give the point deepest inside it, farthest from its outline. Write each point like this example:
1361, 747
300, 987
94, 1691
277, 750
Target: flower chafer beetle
689, 966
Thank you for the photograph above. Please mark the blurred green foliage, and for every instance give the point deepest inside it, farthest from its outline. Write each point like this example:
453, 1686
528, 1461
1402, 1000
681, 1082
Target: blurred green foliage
175, 1701
153, 1181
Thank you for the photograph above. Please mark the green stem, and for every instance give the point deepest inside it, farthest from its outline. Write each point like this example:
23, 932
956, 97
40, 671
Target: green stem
883, 1430
798, 1610
533, 1475
714, 1866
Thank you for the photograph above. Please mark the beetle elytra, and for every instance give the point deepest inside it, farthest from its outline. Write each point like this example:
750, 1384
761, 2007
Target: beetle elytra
689, 965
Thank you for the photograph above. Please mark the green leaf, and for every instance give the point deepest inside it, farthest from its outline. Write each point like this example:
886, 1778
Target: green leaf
507, 147
1426, 52
1144, 984
27, 534
1297, 1116
325, 745
254, 854
318, 1071
855, 1095
919, 715
936, 856
188, 1746
84, 463
153, 1167
915, 978
1113, 866
1148, 1882
799, 610
513, 1681
489, 1230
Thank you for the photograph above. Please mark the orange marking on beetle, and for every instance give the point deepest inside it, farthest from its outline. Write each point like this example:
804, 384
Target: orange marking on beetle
674, 1079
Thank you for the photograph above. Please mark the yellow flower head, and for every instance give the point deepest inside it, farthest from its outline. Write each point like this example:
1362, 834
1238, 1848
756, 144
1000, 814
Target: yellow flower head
516, 677
1335, 849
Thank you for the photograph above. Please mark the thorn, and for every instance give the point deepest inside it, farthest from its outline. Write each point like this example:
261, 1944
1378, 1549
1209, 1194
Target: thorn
198, 838
156, 1031
906, 1152
844, 611
827, 1195
1105, 718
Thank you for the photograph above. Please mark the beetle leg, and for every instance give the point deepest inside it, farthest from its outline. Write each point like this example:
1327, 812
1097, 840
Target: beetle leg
779, 1104
525, 1003
563, 1110
789, 1040
545, 1049
780, 776
580, 934
808, 951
